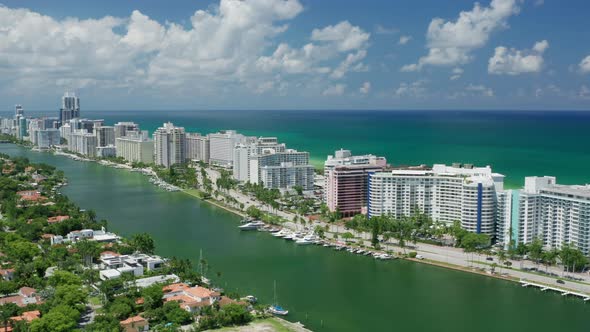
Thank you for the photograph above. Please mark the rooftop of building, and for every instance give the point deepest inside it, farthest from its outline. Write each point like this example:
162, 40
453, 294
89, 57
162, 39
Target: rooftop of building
573, 191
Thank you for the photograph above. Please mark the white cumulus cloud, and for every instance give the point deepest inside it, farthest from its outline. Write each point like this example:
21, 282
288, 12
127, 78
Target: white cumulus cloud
514, 62
450, 43
480, 90
365, 88
585, 65
415, 89
403, 40
334, 90
235, 42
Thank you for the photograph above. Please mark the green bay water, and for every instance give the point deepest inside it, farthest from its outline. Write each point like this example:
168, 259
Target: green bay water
517, 144
324, 289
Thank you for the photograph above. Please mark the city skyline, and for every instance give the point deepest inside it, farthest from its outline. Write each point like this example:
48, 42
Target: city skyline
295, 54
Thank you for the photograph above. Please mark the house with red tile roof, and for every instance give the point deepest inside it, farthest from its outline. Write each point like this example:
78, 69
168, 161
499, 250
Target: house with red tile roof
135, 324
27, 316
24, 297
57, 219
7, 274
30, 195
191, 299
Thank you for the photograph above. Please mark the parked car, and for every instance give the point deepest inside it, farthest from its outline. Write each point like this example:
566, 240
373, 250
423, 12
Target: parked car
419, 257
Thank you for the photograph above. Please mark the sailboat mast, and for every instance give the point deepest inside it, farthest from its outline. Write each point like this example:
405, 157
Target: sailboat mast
275, 293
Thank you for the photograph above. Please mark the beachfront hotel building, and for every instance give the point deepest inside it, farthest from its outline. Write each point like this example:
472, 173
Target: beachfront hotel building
244, 152
346, 178
169, 145
197, 147
556, 214
221, 147
445, 193
135, 147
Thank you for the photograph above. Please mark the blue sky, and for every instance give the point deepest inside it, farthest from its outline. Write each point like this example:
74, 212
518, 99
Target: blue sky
296, 54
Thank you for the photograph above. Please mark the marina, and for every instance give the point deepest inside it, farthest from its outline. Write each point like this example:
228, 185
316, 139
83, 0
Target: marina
526, 283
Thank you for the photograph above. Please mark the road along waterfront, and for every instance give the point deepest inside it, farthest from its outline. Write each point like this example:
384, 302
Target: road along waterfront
324, 289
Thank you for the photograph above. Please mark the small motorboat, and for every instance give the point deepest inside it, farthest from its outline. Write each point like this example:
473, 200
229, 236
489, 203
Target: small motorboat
277, 310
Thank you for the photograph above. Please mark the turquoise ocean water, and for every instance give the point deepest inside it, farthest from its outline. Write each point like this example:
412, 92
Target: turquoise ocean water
517, 144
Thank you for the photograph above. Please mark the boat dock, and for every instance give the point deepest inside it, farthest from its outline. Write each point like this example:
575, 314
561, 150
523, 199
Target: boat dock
564, 292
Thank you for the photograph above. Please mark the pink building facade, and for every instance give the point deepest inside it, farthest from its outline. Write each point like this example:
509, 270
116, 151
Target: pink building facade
346, 179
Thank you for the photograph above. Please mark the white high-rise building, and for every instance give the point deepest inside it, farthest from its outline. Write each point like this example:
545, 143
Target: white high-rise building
46, 138
105, 135
197, 147
135, 147
282, 170
241, 167
83, 143
18, 111
169, 145
556, 214
222, 147
244, 152
121, 128
345, 158
34, 126
445, 193
70, 107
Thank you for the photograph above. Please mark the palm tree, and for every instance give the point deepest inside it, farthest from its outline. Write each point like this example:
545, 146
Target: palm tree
550, 258
501, 258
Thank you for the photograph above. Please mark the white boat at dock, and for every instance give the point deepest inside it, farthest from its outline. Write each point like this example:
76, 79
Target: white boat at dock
251, 226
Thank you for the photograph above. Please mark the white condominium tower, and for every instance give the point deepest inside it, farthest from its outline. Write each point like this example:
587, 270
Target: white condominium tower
169, 145
282, 170
105, 135
135, 147
446, 193
197, 147
556, 214
222, 146
243, 153
83, 142
122, 128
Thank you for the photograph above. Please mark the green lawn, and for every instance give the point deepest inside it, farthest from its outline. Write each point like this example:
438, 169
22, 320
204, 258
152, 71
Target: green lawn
262, 325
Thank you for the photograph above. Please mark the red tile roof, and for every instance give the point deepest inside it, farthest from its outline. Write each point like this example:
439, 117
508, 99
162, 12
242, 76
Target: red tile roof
57, 219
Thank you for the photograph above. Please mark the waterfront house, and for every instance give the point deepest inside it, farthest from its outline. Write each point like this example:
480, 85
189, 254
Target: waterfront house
112, 264
191, 299
86, 234
30, 195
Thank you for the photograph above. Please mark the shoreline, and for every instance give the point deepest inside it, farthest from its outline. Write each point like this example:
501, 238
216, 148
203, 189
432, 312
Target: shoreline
241, 214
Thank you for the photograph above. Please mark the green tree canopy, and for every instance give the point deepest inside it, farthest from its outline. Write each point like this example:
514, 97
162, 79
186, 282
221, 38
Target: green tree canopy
143, 242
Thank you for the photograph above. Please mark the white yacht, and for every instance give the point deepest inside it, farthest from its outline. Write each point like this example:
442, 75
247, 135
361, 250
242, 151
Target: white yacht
253, 225
305, 240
